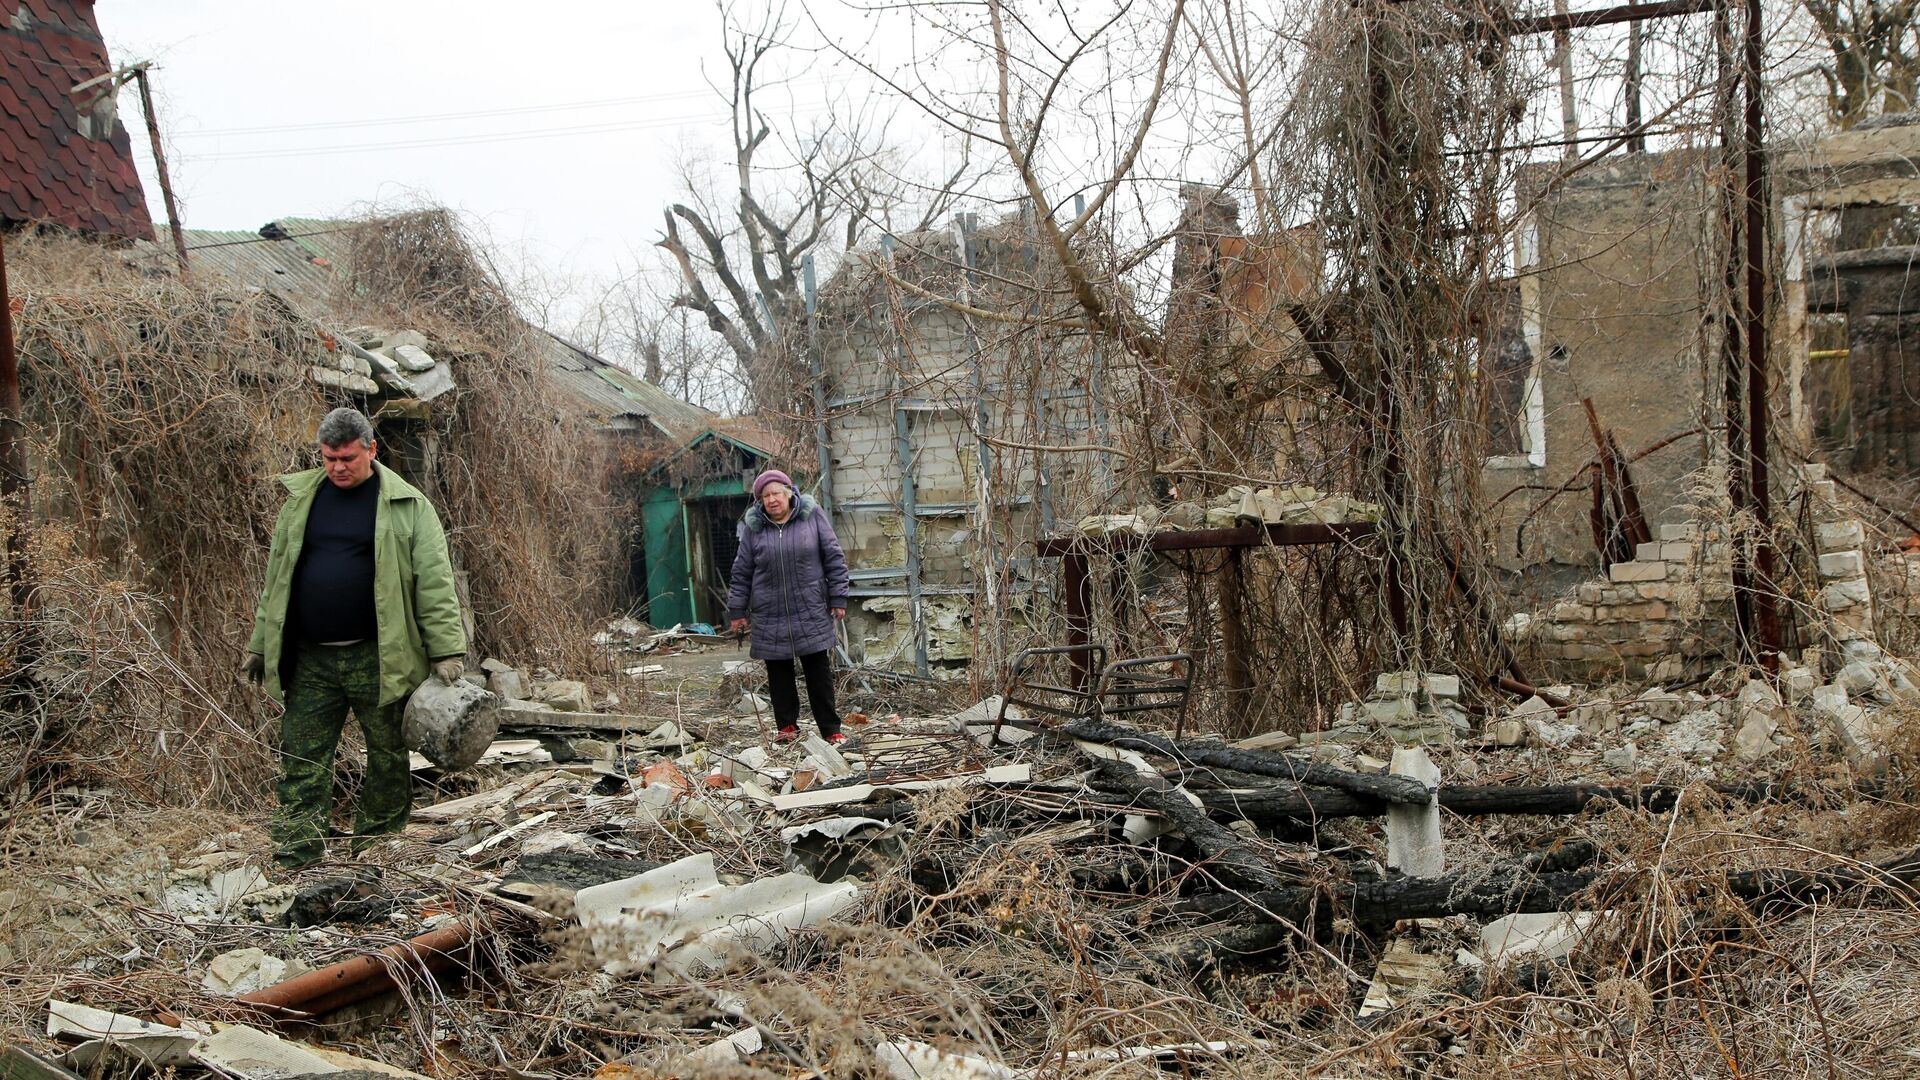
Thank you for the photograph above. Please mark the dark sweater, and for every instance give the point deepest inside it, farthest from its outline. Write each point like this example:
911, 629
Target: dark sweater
333, 582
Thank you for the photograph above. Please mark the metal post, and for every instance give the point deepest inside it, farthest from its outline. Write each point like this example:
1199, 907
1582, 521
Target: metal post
1563, 60
822, 437
1766, 614
1078, 588
903, 457
14, 484
1636, 138
160, 167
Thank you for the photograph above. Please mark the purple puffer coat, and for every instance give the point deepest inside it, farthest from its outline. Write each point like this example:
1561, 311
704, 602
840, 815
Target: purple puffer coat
785, 578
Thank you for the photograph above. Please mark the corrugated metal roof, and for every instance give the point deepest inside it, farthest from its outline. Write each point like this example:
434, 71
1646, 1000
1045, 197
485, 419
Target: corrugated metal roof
620, 393
300, 259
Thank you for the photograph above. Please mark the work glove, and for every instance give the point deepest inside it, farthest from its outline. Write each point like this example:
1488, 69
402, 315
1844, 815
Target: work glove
449, 670
254, 668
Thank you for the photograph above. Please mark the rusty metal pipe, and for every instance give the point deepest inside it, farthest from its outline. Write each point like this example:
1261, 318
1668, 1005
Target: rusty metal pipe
328, 985
1515, 686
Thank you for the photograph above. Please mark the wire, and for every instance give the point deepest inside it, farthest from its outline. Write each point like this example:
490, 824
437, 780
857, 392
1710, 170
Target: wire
477, 139
518, 110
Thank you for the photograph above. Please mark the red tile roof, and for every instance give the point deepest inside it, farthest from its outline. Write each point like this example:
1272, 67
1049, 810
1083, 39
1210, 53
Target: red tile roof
51, 171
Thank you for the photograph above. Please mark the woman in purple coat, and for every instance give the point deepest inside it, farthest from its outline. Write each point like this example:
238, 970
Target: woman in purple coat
789, 587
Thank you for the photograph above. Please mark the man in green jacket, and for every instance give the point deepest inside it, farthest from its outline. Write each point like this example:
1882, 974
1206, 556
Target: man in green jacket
359, 597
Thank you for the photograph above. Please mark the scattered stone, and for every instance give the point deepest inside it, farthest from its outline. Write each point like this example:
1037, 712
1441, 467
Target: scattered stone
1596, 718
1697, 736
508, 684
1548, 731
566, 695
411, 357
1661, 705
1531, 708
1270, 741
1799, 684
1401, 976
1754, 739
1508, 732
752, 705
1862, 679
1621, 759
243, 971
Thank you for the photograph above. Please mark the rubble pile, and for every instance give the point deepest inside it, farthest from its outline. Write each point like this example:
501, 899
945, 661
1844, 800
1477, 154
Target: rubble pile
961, 893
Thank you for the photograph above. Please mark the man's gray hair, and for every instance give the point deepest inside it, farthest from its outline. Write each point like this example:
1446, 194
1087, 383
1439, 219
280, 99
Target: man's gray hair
342, 426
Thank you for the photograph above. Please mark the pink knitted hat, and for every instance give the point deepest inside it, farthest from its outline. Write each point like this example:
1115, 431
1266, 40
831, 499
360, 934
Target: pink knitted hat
771, 476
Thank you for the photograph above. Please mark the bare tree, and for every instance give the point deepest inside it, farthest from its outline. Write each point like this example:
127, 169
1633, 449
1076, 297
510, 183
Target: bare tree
1874, 61
795, 192
635, 322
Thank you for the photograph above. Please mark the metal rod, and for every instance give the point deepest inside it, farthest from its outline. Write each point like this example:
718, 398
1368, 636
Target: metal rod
1563, 63
822, 436
1077, 584
1766, 613
15, 487
160, 167
1637, 141
1578, 20
903, 457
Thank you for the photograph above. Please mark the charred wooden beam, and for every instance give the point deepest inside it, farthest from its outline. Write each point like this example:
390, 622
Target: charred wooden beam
1191, 752
1308, 803
1507, 891
1227, 852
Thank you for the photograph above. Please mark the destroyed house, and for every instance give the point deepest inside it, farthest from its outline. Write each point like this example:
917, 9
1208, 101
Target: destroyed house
933, 501
65, 158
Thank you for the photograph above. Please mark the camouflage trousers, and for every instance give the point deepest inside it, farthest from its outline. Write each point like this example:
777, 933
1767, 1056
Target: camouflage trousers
327, 681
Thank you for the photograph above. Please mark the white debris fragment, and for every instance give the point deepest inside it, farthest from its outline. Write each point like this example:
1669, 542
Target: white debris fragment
1548, 936
907, 1059
682, 917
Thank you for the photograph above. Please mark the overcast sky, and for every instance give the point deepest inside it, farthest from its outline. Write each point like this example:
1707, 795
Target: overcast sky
556, 126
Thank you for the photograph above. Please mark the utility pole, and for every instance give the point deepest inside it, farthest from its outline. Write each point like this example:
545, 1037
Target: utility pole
113, 81
160, 166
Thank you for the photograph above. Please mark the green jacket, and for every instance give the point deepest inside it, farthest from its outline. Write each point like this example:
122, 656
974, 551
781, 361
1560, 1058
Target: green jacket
416, 607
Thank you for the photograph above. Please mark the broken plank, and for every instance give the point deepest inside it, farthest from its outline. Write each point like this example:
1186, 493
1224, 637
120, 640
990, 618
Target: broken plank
1398, 789
512, 830
494, 798
801, 800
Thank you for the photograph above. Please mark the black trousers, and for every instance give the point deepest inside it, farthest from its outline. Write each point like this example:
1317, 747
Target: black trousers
786, 698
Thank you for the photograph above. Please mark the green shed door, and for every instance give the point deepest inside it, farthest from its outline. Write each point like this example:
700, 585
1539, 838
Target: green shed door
666, 544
